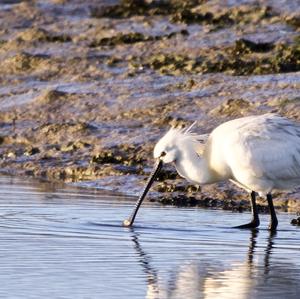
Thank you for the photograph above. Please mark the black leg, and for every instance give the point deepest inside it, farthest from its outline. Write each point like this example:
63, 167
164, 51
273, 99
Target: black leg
274, 221
255, 219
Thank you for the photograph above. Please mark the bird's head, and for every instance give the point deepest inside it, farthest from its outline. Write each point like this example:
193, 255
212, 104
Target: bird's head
167, 148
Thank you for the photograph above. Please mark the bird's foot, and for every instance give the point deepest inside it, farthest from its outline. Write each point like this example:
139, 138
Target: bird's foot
251, 225
273, 226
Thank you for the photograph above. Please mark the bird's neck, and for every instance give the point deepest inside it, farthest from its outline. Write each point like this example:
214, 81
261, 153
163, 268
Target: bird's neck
195, 169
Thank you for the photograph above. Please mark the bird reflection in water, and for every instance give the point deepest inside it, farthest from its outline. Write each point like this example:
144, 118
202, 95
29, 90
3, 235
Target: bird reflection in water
253, 278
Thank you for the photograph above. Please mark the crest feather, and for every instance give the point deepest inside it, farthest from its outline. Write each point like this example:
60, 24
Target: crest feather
186, 133
188, 130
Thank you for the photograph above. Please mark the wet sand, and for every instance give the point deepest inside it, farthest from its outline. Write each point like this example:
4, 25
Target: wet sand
87, 87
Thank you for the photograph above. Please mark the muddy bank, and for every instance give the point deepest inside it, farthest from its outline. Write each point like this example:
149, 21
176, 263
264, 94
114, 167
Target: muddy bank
87, 87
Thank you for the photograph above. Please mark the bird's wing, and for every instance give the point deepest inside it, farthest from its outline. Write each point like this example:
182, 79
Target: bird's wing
270, 149
275, 160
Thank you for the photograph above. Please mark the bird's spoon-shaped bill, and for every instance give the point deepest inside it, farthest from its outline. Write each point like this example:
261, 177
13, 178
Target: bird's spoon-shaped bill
154, 173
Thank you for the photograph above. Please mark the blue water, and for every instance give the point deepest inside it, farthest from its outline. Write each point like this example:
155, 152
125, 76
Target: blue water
64, 242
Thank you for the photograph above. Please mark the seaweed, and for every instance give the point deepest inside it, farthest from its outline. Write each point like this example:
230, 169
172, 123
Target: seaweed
247, 46
42, 35
131, 38
129, 8
187, 12
123, 154
243, 58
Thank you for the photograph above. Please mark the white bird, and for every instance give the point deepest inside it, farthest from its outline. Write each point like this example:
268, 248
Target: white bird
258, 153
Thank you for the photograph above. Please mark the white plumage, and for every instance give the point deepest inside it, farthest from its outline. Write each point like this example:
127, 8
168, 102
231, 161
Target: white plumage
258, 153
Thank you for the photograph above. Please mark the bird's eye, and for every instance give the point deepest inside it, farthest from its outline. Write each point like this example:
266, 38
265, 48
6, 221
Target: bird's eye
163, 154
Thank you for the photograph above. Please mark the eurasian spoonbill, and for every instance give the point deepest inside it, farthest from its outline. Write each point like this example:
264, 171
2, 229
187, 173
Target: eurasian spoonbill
258, 153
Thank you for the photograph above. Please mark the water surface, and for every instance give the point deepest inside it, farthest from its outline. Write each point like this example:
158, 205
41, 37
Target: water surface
63, 242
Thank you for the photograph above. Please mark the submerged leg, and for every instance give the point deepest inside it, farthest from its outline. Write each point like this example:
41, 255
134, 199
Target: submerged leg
255, 219
274, 221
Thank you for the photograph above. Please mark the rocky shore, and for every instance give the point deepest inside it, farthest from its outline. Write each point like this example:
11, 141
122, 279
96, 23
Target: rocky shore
88, 87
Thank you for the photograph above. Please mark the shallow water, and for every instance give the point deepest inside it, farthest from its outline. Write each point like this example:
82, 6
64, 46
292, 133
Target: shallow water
62, 242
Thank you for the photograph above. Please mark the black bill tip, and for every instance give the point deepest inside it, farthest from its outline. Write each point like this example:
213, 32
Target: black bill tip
127, 223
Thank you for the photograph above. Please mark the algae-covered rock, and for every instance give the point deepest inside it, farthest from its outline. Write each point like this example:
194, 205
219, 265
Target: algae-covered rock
187, 16
106, 156
50, 96
30, 151
232, 107
74, 146
121, 38
296, 221
2, 42
286, 58
23, 62
128, 8
96, 107
244, 58
123, 154
293, 20
187, 12
243, 46
167, 63
132, 37
42, 35
167, 186
61, 130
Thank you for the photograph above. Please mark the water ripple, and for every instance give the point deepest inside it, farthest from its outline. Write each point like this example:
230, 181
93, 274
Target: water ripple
63, 242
